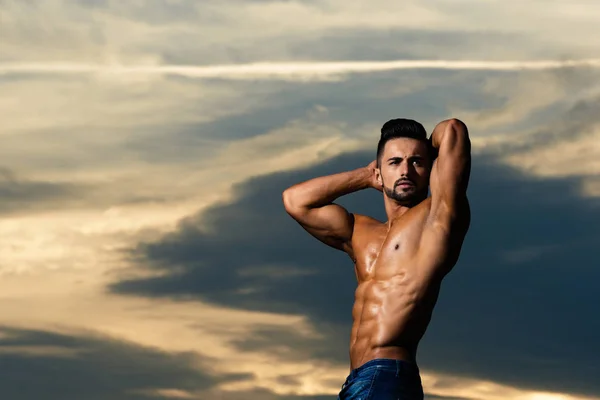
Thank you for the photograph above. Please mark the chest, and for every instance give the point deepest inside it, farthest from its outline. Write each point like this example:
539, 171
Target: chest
384, 252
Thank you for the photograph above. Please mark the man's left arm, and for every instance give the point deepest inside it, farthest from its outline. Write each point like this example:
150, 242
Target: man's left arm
450, 177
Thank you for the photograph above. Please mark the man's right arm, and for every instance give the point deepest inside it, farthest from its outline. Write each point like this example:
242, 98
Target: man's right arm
311, 204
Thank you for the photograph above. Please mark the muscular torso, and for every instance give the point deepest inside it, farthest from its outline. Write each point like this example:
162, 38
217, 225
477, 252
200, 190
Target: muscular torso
398, 283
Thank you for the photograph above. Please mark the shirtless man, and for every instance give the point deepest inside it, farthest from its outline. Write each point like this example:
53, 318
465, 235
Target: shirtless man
399, 264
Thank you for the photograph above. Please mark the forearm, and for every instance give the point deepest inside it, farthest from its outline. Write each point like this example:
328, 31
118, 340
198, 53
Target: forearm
324, 190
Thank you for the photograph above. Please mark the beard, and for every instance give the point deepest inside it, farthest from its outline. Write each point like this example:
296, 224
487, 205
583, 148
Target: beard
404, 195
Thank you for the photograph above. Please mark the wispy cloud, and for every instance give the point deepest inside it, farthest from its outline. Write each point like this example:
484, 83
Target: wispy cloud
293, 70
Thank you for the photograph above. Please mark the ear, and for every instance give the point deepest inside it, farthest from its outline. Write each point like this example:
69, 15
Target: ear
378, 176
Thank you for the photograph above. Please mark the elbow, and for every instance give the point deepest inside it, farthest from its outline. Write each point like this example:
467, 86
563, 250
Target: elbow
293, 203
452, 132
456, 136
288, 200
457, 128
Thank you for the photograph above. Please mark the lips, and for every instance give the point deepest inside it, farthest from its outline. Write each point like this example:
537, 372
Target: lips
405, 184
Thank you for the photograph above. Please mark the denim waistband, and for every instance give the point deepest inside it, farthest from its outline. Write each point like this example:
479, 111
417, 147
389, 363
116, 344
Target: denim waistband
387, 364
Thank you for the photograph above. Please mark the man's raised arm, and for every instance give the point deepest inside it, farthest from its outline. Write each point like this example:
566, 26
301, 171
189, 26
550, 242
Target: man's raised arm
311, 204
450, 175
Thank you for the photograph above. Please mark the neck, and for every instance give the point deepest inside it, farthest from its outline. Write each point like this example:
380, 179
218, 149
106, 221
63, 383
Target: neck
394, 209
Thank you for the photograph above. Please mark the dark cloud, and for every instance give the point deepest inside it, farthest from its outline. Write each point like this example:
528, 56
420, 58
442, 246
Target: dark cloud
519, 307
273, 242
288, 344
93, 368
27, 196
560, 123
422, 95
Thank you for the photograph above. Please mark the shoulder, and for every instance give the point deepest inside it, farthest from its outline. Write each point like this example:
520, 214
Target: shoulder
364, 228
364, 223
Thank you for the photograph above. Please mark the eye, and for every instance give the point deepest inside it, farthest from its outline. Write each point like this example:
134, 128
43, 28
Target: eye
417, 162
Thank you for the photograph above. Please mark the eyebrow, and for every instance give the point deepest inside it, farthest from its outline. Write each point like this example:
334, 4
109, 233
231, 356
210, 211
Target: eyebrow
415, 157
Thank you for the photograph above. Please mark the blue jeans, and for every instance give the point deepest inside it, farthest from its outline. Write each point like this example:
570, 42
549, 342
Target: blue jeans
383, 379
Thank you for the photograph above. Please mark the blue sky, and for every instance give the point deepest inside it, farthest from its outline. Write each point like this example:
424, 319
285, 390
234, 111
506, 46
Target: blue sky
146, 252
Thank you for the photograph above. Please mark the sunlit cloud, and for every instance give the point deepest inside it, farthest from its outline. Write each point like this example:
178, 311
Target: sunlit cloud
471, 389
87, 228
291, 71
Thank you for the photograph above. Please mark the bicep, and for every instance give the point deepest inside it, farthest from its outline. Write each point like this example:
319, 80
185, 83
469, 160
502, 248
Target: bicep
332, 224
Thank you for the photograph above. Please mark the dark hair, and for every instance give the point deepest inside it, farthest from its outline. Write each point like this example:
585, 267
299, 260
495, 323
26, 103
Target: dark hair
402, 128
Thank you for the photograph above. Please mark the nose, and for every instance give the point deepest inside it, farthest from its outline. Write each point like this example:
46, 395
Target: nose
404, 168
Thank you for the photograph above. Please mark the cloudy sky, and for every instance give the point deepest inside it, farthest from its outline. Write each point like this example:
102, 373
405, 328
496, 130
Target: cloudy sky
146, 254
